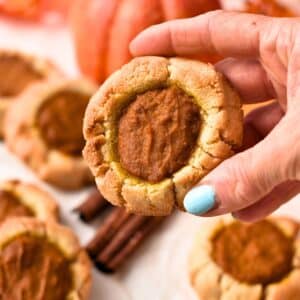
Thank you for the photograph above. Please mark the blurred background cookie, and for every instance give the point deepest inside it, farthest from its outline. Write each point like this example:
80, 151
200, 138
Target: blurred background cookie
44, 128
17, 72
234, 260
19, 199
41, 261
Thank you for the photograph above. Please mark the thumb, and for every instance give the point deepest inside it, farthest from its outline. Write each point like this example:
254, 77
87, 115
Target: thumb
248, 176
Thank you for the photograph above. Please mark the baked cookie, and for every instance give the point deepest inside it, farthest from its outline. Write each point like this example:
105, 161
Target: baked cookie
17, 72
238, 261
155, 128
18, 199
44, 128
41, 261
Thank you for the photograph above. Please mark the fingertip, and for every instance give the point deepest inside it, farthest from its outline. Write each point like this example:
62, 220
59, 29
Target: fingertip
200, 200
144, 43
137, 44
133, 47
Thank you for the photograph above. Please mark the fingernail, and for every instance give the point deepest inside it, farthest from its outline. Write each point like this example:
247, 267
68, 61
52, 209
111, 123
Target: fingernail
200, 199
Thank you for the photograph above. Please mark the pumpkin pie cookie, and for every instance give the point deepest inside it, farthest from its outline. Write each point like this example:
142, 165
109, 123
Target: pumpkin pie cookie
41, 261
17, 72
155, 128
237, 261
44, 128
18, 199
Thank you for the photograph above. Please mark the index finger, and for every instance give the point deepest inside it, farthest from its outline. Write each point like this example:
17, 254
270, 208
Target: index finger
217, 32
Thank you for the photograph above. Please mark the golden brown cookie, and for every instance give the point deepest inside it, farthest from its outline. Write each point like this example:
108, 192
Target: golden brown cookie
19, 199
41, 261
156, 127
44, 128
239, 261
17, 72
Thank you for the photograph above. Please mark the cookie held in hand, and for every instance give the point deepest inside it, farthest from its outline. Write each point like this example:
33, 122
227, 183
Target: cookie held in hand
234, 260
155, 128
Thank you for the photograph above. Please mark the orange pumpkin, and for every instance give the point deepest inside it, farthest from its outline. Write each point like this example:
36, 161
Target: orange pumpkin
27, 9
60, 6
102, 29
269, 8
33, 9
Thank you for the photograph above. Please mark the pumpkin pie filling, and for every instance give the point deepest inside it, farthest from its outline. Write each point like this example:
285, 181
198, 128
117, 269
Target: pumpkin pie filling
33, 269
10, 206
253, 253
157, 133
60, 122
16, 74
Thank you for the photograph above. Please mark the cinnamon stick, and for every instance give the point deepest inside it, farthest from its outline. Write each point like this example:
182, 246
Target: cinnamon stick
120, 238
133, 243
110, 226
92, 206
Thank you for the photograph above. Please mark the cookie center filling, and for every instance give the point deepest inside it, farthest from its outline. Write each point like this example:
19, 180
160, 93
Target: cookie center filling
32, 268
16, 74
253, 253
157, 133
60, 122
10, 206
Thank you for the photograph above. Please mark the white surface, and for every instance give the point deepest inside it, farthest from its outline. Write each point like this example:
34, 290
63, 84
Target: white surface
158, 270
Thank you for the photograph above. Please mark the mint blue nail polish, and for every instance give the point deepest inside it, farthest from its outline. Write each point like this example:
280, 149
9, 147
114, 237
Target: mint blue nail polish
200, 199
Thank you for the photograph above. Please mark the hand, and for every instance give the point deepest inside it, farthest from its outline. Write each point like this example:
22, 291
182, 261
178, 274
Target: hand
264, 63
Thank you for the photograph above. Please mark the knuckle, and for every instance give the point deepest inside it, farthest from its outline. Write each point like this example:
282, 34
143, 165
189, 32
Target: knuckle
292, 166
253, 180
289, 158
244, 179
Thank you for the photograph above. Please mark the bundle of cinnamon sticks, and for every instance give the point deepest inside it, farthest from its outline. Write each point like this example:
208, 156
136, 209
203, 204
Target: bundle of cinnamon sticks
118, 236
